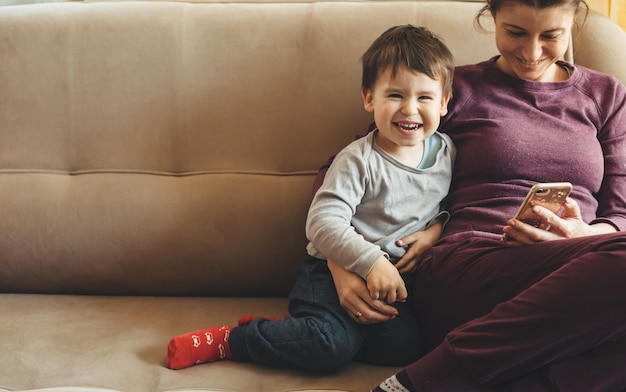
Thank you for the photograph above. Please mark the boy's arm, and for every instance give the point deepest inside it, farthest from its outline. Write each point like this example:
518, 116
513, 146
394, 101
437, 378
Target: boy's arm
329, 222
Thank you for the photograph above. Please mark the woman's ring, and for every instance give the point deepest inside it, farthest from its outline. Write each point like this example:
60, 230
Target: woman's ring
358, 314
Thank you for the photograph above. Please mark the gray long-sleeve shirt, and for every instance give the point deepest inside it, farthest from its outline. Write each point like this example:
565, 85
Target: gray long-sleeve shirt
369, 200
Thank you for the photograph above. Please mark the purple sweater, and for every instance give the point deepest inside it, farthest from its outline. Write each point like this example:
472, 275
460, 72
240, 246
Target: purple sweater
512, 133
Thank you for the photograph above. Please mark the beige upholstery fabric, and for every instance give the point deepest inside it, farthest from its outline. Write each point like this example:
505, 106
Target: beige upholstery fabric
160, 145
160, 156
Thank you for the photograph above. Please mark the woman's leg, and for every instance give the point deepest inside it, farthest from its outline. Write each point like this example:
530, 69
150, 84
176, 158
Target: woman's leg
512, 311
600, 369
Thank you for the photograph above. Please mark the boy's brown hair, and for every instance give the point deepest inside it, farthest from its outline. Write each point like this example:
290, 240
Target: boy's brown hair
416, 48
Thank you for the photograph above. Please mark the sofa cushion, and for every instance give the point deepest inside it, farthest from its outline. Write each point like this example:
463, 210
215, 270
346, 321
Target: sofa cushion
120, 343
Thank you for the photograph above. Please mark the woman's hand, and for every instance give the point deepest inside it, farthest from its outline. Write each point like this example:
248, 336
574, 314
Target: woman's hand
569, 225
417, 243
352, 290
355, 297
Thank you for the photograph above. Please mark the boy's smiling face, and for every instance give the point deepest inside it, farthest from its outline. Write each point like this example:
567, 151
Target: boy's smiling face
407, 107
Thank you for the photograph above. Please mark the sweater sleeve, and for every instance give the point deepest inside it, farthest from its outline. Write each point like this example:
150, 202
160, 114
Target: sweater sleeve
328, 225
612, 136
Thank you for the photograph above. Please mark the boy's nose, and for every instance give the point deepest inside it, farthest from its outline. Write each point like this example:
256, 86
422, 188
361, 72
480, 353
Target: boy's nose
410, 107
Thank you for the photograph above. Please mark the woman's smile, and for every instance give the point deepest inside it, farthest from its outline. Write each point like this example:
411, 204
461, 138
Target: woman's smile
530, 41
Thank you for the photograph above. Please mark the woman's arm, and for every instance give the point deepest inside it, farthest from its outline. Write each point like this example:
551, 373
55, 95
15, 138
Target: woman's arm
355, 297
352, 289
569, 225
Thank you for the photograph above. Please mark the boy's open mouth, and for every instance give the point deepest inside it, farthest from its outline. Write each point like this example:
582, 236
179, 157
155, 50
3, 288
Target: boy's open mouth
412, 127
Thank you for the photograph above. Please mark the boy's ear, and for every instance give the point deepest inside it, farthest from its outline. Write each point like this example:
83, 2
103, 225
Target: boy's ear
443, 110
368, 99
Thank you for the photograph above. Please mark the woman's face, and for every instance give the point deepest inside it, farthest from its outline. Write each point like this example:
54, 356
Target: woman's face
531, 40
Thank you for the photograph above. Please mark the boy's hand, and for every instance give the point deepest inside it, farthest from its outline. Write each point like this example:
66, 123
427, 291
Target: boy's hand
417, 244
385, 283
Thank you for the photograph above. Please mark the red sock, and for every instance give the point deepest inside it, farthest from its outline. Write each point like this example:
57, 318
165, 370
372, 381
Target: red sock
245, 320
193, 348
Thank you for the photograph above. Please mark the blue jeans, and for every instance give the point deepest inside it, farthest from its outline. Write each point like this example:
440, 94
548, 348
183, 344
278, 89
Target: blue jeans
321, 336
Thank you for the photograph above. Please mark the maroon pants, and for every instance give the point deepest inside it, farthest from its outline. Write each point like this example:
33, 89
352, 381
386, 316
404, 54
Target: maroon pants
544, 317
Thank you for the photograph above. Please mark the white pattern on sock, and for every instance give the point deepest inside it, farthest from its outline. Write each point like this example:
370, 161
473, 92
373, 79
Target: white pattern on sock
393, 385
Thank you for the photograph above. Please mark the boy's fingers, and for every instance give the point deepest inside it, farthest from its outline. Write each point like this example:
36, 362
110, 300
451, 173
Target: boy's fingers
404, 294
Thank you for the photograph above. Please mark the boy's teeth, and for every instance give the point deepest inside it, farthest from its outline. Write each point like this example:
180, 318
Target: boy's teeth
408, 127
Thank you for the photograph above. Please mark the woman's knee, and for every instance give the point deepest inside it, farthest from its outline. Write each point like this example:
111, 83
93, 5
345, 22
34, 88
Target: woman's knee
614, 243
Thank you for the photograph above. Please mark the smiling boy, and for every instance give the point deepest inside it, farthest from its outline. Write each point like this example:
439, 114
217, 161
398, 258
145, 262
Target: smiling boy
379, 189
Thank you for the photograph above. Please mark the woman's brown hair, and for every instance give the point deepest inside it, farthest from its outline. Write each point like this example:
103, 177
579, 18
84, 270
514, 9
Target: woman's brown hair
493, 6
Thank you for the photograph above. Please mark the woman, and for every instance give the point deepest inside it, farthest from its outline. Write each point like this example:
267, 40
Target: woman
546, 310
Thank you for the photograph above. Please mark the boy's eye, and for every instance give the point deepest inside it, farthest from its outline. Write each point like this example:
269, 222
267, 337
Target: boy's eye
425, 98
397, 96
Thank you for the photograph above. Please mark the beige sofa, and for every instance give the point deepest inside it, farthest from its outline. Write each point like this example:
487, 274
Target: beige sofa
156, 163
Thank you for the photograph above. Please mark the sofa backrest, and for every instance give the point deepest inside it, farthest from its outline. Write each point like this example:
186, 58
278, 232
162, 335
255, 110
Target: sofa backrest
170, 148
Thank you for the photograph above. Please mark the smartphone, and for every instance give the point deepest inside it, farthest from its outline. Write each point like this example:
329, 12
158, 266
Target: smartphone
550, 195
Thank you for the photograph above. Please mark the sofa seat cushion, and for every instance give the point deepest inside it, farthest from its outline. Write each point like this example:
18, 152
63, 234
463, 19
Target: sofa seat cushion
120, 343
